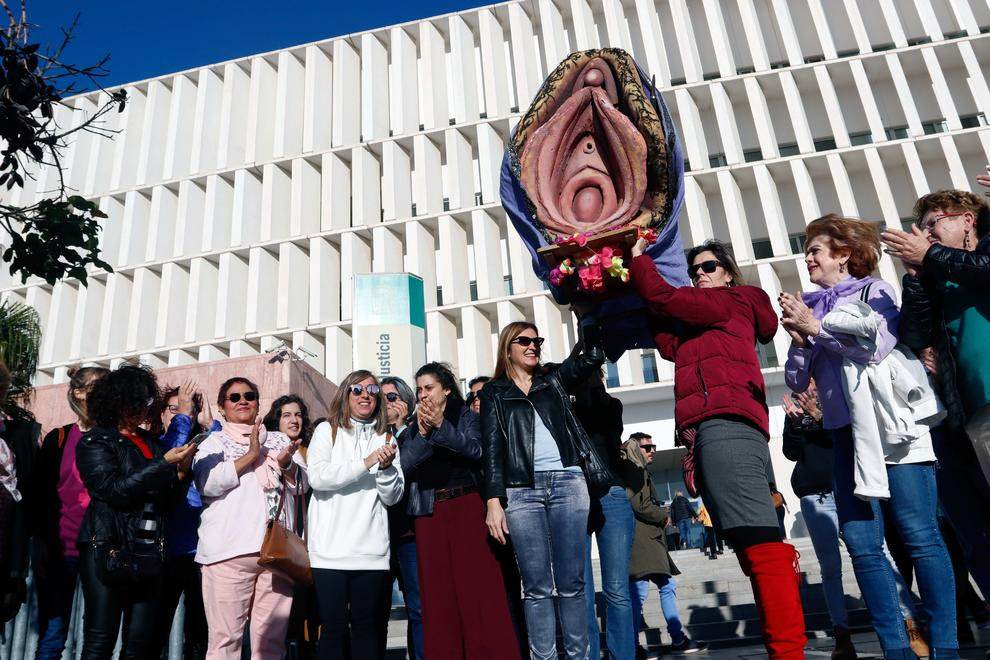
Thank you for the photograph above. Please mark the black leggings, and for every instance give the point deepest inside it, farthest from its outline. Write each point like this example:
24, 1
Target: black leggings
354, 608
138, 604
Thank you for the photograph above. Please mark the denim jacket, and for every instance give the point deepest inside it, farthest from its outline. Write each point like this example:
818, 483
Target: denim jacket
462, 437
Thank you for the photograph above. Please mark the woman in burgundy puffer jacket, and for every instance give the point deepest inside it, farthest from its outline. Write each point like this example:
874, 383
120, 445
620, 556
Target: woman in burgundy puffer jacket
710, 332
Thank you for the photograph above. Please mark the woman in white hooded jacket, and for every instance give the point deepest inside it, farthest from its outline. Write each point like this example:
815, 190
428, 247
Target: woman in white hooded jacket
354, 473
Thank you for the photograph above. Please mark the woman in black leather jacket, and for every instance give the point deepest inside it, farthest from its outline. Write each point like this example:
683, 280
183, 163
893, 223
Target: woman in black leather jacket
538, 459
131, 481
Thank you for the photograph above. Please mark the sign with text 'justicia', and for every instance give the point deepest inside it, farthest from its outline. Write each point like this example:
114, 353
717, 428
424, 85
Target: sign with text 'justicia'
389, 327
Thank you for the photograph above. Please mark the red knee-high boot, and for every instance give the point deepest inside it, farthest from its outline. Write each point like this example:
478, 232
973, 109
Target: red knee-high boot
773, 570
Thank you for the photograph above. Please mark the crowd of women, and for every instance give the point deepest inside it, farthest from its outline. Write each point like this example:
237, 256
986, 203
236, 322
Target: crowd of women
485, 507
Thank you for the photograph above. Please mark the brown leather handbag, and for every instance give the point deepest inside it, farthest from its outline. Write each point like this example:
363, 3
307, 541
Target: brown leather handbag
282, 550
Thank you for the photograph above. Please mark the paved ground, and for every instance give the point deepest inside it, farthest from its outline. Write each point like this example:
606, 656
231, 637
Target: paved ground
867, 647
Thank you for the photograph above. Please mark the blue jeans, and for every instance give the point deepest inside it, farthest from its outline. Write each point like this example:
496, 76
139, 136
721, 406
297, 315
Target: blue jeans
55, 593
405, 552
823, 527
548, 524
912, 504
684, 527
639, 589
614, 548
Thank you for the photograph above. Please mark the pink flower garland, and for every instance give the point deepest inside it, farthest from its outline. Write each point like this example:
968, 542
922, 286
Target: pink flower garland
593, 266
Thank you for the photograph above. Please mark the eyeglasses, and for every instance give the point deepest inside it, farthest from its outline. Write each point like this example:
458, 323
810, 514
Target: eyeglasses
372, 389
648, 447
236, 396
928, 226
707, 266
526, 341
392, 396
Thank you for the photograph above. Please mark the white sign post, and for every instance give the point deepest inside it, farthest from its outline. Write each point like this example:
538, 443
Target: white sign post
389, 326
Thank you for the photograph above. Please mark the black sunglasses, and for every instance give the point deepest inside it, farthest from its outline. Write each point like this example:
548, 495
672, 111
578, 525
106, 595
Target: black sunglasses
648, 447
392, 396
236, 396
372, 389
526, 341
707, 266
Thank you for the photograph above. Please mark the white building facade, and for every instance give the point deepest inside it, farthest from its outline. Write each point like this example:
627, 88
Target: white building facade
244, 196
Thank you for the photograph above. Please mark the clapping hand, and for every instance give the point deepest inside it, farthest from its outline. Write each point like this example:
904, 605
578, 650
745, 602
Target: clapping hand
187, 398
285, 456
797, 319
910, 247
792, 410
809, 404
429, 416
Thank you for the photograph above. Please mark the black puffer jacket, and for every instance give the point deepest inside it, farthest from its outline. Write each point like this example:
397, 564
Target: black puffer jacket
507, 425
120, 480
922, 324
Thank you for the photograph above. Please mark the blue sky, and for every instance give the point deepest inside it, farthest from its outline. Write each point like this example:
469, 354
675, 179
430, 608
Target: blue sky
147, 38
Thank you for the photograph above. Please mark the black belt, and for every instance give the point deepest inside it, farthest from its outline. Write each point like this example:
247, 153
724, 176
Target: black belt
444, 494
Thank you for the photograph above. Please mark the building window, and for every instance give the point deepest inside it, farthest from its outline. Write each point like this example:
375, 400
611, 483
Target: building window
897, 133
907, 223
717, 160
767, 355
762, 249
789, 149
611, 374
439, 296
714, 75
779, 64
678, 81
879, 48
478, 201
687, 165
474, 290
650, 368
808, 59
796, 243
743, 70
824, 144
973, 121
934, 126
446, 203
848, 53
863, 137
507, 283
917, 41
955, 34
412, 210
750, 155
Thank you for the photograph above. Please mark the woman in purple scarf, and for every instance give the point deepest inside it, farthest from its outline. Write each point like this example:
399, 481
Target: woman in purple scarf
840, 255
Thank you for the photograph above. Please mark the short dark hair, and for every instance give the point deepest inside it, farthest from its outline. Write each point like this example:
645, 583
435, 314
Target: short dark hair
723, 253
639, 435
478, 379
275, 413
123, 396
230, 382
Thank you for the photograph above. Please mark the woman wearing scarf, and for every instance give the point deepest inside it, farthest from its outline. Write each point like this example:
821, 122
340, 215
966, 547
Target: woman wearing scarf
355, 474
240, 471
840, 255
710, 332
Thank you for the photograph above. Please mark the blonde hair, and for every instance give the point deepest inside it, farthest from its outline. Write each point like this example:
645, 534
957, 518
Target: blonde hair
505, 339
340, 408
79, 378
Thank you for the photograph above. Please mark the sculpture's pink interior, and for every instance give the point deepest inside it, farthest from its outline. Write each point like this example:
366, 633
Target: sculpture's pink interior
585, 168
